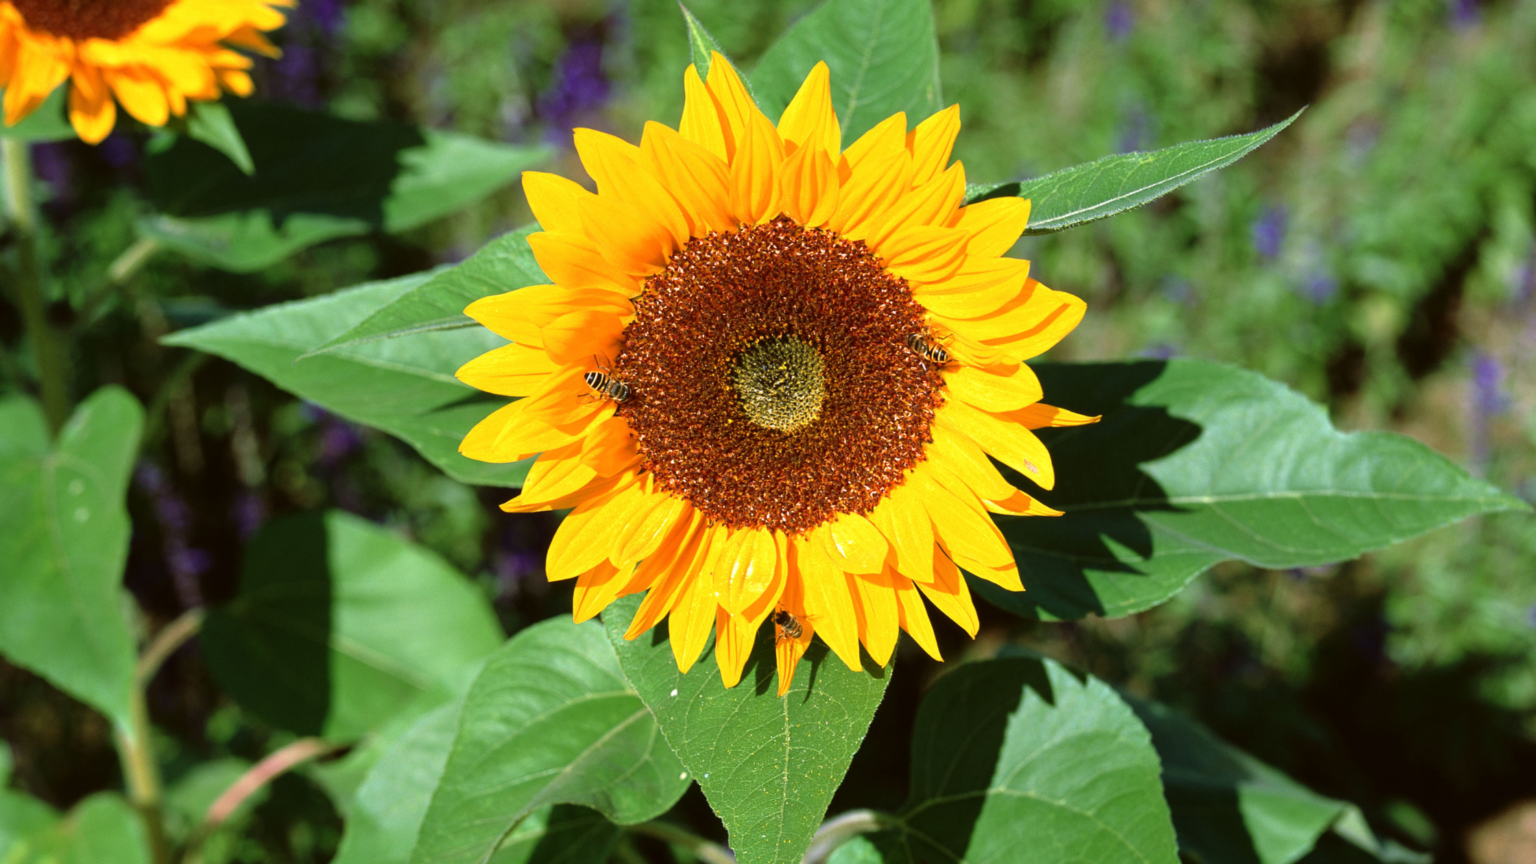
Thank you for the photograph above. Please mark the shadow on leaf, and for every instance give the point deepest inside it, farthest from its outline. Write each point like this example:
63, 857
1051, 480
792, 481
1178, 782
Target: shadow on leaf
1099, 483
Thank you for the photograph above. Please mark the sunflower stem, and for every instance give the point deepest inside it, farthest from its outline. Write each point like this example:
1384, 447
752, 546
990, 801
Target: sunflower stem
705, 850
47, 341
125, 267
835, 832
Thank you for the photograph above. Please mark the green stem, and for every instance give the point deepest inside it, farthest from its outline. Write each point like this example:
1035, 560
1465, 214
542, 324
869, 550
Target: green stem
142, 775
704, 850
47, 341
835, 832
124, 268
134, 745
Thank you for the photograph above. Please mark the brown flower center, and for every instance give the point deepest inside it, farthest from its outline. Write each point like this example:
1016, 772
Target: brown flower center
770, 379
89, 19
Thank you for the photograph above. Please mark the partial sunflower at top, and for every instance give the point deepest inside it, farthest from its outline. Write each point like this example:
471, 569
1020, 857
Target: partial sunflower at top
153, 56
819, 348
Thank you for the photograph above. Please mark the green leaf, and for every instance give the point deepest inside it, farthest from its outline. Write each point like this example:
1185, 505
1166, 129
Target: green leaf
386, 814
1021, 754
1227, 805
1100, 189
317, 177
505, 264
64, 540
857, 851
550, 720
23, 820
700, 44
50, 122
883, 54
767, 765
213, 124
102, 829
340, 625
403, 386
1197, 463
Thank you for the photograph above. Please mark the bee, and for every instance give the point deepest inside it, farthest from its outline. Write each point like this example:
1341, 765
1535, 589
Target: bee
928, 349
789, 626
604, 385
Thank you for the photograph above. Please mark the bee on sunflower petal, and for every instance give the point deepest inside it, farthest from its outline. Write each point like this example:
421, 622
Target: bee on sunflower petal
790, 627
605, 386
925, 347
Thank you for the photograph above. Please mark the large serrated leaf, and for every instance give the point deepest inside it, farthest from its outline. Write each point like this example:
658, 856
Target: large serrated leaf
386, 814
1197, 463
883, 55
1100, 189
1229, 806
701, 46
340, 625
64, 540
505, 264
316, 177
550, 720
404, 386
1020, 759
768, 765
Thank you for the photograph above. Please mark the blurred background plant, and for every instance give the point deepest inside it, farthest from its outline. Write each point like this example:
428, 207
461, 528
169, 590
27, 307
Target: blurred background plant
1380, 257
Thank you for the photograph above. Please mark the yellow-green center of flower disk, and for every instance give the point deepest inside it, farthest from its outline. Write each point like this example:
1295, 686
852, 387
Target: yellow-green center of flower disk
781, 383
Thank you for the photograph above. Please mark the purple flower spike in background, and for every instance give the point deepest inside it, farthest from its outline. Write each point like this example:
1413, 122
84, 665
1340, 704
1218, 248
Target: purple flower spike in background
1269, 231
580, 87
1119, 20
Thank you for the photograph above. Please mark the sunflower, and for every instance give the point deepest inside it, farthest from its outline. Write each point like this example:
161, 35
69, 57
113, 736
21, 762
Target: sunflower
152, 55
768, 376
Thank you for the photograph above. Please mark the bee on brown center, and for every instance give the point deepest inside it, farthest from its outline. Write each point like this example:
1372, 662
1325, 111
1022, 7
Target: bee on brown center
789, 626
604, 385
928, 349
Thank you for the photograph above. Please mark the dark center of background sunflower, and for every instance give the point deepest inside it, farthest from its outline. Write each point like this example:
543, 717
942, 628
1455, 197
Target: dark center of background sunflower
770, 379
89, 19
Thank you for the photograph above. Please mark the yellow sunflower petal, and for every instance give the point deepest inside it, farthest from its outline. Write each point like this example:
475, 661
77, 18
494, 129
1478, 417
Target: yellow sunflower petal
689, 622
931, 203
828, 602
809, 121
882, 617
649, 528
555, 201
925, 253
949, 594
963, 525
700, 180
621, 175
671, 569
575, 262
742, 568
994, 388
788, 651
904, 521
981, 287
511, 370
1004, 439
854, 543
880, 144
702, 121
914, 617
597, 588
995, 225
38, 69
867, 193
141, 95
809, 188
585, 537
733, 645
1043, 416
932, 142
91, 109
